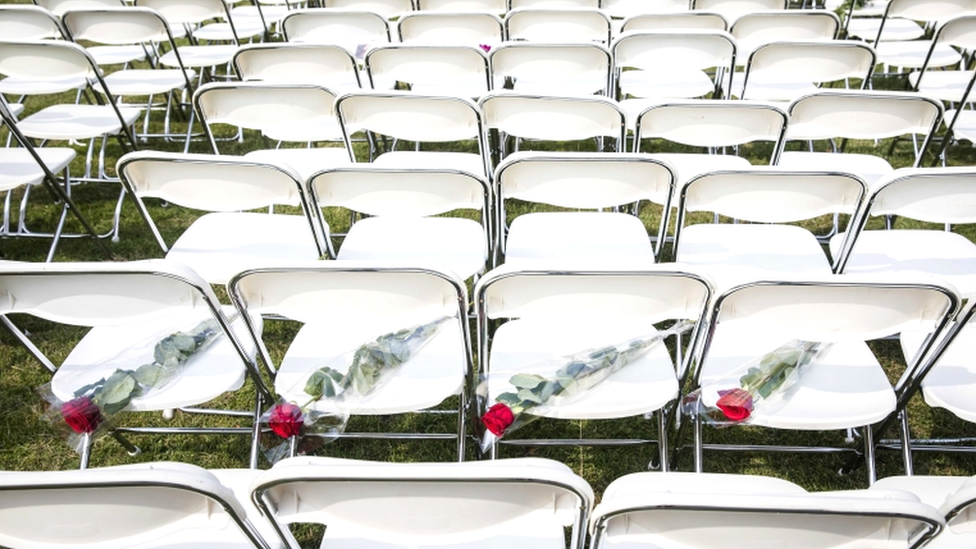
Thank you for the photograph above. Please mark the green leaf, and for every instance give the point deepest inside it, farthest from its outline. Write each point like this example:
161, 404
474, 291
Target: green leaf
510, 399
118, 390
528, 395
148, 374
526, 381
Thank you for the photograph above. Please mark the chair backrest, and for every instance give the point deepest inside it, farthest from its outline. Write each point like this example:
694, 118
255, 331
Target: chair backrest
274, 109
24, 22
390, 9
662, 51
585, 180
356, 30
558, 25
929, 11
861, 114
450, 28
552, 4
58, 7
46, 59
429, 503
673, 21
116, 26
470, 6
438, 66
327, 65
621, 9
188, 12
117, 507
808, 62
706, 510
754, 29
713, 123
564, 68
733, 9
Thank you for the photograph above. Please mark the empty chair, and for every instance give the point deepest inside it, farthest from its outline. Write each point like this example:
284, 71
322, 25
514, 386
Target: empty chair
463, 6
376, 298
731, 10
845, 387
857, 114
452, 28
698, 510
953, 496
622, 9
403, 214
771, 202
390, 9
936, 80
326, 65
25, 22
408, 116
528, 502
558, 25
303, 113
674, 20
553, 68
58, 7
156, 504
130, 307
190, 15
433, 69
546, 315
228, 239
589, 181
526, 118
783, 71
354, 29
712, 124
754, 29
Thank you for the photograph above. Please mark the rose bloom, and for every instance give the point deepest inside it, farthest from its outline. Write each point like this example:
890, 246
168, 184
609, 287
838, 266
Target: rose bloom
736, 404
82, 415
498, 418
286, 420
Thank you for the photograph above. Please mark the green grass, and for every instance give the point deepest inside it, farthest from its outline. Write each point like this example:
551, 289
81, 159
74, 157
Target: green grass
28, 443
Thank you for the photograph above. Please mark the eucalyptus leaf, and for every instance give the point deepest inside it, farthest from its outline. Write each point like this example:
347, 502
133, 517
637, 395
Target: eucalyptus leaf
528, 395
526, 381
148, 374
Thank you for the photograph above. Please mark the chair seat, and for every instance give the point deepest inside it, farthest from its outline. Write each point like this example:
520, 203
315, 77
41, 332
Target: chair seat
319, 128
768, 89
949, 256
473, 87
455, 243
14, 86
596, 236
18, 167
146, 82
869, 167
952, 382
200, 56
433, 374
117, 55
206, 375
895, 29
846, 389
304, 161
675, 83
220, 245
64, 122
690, 165
944, 85
744, 252
534, 346
245, 26
912, 54
547, 84
465, 162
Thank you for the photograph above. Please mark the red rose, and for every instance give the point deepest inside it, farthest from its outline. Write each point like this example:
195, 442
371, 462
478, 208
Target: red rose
82, 415
286, 420
498, 418
736, 404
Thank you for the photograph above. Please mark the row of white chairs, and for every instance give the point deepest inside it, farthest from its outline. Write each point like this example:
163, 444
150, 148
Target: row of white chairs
529, 502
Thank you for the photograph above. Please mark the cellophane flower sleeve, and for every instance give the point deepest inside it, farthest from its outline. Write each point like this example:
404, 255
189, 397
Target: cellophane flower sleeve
763, 384
576, 374
339, 385
142, 370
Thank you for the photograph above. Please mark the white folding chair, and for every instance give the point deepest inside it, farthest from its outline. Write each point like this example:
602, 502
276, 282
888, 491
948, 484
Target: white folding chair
713, 124
674, 20
934, 79
144, 29
861, 115
553, 312
354, 29
771, 202
844, 388
228, 239
709, 510
495, 7
376, 298
525, 117
403, 217
731, 10
477, 28
327, 65
754, 29
528, 502
553, 68
295, 113
124, 303
58, 7
408, 116
590, 181
622, 9
783, 71
461, 71
151, 505
654, 66
26, 22
953, 496
390, 9
558, 25
932, 195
